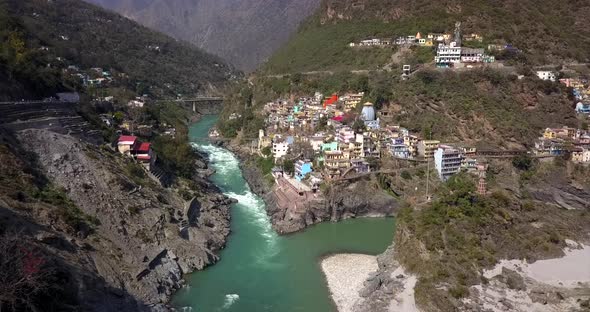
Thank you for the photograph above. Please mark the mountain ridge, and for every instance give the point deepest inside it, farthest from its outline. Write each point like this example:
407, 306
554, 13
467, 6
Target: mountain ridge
244, 33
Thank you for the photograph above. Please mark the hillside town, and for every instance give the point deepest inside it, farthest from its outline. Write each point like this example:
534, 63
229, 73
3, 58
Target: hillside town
326, 141
581, 93
449, 50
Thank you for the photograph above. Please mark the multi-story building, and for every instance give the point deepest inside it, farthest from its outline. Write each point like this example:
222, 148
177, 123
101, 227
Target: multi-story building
447, 55
426, 148
447, 161
351, 101
583, 108
411, 141
360, 166
302, 168
345, 135
280, 149
546, 75
317, 141
126, 143
337, 159
398, 149
469, 55
357, 146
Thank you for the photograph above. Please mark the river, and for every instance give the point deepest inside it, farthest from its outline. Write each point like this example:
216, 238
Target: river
260, 270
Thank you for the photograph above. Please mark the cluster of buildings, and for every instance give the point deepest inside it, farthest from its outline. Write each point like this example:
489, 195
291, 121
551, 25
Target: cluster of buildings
93, 77
428, 40
563, 141
131, 146
338, 148
581, 92
452, 54
309, 113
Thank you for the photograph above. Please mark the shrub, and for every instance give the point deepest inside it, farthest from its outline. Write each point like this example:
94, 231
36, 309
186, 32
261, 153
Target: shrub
522, 162
406, 175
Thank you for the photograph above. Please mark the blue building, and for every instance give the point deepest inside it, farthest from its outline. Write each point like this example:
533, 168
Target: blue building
302, 168
583, 108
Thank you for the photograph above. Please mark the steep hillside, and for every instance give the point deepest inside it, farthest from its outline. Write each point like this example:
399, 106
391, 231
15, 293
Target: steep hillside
535, 27
244, 32
56, 34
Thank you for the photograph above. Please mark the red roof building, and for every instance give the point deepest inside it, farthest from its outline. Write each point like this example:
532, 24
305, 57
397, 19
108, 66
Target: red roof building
143, 148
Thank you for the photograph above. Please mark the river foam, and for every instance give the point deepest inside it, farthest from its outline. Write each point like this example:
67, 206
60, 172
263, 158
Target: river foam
230, 299
225, 163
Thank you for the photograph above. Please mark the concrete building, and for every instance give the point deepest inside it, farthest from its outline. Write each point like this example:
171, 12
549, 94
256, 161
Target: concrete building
345, 135
583, 108
126, 144
302, 168
426, 148
279, 149
546, 75
469, 55
352, 100
447, 55
398, 149
447, 161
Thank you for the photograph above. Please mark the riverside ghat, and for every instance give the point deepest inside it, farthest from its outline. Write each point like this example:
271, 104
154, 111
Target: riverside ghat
262, 271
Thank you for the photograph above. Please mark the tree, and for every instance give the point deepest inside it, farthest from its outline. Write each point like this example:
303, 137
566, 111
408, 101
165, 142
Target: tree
288, 166
358, 126
302, 150
523, 162
322, 123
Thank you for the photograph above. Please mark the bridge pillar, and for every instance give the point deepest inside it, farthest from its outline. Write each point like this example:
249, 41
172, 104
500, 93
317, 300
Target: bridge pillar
194, 107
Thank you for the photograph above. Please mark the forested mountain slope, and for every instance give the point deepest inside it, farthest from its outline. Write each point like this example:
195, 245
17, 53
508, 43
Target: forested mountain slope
41, 38
547, 32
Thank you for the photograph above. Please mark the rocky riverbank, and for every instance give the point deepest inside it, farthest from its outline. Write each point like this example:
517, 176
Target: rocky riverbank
134, 240
360, 198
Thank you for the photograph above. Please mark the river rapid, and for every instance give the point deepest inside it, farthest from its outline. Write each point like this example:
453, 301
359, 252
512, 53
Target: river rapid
260, 270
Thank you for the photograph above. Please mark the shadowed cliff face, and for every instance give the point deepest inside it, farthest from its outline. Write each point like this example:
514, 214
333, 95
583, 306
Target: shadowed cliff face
244, 32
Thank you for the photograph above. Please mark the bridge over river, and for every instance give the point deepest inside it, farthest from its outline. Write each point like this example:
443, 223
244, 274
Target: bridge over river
204, 105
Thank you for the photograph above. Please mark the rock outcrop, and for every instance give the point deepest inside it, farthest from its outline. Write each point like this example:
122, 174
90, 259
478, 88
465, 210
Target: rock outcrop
145, 237
341, 201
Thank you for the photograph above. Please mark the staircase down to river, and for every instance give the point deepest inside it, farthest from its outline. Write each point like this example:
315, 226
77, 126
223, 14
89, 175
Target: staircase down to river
60, 117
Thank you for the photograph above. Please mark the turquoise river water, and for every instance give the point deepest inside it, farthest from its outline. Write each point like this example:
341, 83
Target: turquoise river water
260, 270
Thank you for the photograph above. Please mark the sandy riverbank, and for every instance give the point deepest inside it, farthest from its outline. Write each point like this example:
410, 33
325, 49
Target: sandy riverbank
559, 284
345, 274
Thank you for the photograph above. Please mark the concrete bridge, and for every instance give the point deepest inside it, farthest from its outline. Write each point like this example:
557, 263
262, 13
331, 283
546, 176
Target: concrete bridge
204, 105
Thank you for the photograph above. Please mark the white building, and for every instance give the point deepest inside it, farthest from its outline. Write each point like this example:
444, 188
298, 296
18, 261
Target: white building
280, 149
446, 55
469, 55
546, 75
447, 161
345, 135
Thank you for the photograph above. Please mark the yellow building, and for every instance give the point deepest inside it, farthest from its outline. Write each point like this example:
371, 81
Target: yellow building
549, 134
336, 159
426, 148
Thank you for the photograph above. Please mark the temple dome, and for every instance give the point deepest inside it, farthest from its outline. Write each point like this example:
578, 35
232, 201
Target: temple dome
368, 112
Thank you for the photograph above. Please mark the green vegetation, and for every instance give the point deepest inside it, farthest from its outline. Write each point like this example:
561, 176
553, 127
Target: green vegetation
23, 69
84, 35
467, 106
534, 27
176, 154
451, 240
66, 209
136, 172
